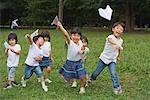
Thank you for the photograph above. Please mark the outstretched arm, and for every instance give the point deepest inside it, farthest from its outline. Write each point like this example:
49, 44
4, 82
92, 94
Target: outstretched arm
64, 31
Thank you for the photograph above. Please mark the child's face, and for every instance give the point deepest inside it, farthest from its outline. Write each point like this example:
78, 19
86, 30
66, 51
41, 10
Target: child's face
84, 42
40, 41
46, 39
12, 42
118, 30
75, 37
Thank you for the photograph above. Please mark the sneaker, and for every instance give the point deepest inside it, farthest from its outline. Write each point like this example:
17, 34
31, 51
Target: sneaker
44, 86
23, 83
8, 86
14, 83
39, 80
82, 90
89, 80
74, 84
48, 81
117, 91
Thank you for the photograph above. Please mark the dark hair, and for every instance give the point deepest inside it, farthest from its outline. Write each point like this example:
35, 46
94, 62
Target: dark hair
76, 30
46, 34
85, 38
13, 36
35, 38
119, 23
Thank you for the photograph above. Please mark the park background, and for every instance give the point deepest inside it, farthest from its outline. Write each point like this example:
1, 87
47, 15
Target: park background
134, 72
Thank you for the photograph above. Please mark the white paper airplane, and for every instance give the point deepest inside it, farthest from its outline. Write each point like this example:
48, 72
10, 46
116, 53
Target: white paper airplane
55, 21
14, 23
106, 13
35, 33
6, 45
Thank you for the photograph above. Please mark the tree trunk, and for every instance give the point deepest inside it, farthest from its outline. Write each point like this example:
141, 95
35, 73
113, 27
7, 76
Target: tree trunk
60, 11
129, 16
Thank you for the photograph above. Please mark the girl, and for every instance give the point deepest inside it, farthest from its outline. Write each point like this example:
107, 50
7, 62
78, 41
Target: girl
110, 54
32, 62
47, 55
13, 52
73, 69
84, 51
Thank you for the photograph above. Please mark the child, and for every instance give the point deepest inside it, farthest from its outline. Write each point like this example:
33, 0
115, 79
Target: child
110, 54
73, 68
47, 55
32, 62
13, 53
84, 51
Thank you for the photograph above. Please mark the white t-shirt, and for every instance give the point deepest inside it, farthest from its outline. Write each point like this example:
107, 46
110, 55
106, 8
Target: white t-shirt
84, 55
73, 51
34, 51
110, 53
13, 59
46, 48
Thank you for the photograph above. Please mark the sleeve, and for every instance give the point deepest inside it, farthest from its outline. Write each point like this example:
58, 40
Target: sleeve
18, 47
110, 36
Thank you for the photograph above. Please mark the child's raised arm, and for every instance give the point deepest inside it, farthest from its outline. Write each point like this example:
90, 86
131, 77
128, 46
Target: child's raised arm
64, 31
115, 43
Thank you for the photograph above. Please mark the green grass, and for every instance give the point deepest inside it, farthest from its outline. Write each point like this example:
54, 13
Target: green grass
134, 74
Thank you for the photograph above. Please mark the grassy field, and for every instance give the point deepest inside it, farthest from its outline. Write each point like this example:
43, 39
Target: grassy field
134, 73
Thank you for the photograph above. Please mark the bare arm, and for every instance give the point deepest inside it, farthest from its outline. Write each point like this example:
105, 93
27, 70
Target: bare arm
118, 57
64, 31
51, 58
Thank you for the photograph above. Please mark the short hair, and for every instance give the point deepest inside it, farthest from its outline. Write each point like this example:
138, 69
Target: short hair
76, 30
46, 34
119, 23
35, 38
13, 36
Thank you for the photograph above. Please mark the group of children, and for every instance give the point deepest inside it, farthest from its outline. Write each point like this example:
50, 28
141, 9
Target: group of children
40, 56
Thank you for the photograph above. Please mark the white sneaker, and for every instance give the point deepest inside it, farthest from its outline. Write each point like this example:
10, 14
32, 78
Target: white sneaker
48, 81
44, 86
23, 83
82, 90
74, 84
8, 86
117, 91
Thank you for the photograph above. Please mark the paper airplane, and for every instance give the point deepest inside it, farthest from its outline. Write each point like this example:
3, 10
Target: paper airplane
14, 23
35, 33
106, 13
55, 21
6, 45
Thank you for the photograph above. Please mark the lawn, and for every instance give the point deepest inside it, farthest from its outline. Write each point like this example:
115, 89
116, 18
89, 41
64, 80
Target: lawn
134, 73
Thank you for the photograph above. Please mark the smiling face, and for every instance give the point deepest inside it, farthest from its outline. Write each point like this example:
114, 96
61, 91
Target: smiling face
75, 37
12, 42
118, 30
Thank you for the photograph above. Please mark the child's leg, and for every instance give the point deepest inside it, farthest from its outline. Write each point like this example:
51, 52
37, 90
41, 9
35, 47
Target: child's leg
40, 76
28, 71
82, 84
112, 70
48, 71
101, 65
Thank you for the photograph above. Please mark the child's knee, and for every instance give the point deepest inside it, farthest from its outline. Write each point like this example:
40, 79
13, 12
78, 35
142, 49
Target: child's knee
48, 69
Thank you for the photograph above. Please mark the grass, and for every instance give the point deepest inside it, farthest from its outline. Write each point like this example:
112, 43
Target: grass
134, 74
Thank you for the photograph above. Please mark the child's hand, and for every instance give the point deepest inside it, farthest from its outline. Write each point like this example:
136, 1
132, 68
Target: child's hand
37, 58
117, 47
6, 50
118, 59
82, 48
52, 60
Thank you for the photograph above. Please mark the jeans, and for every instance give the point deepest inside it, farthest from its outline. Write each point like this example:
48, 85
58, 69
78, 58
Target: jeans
29, 70
112, 70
